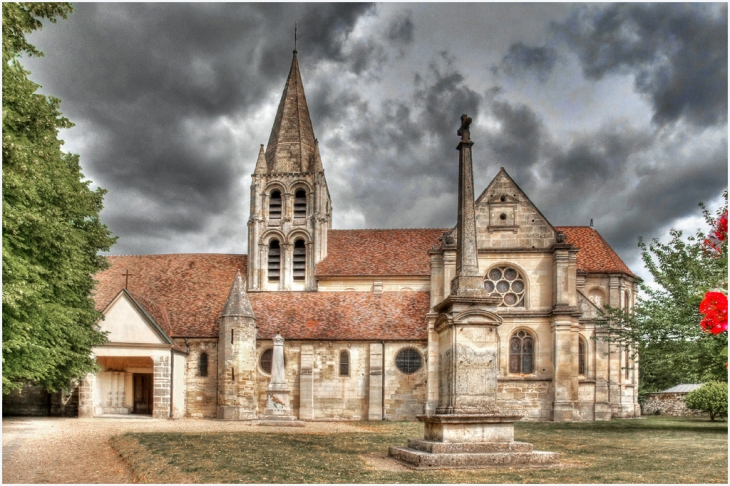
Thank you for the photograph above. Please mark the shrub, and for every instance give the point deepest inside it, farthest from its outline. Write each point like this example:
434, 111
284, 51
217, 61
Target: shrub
710, 398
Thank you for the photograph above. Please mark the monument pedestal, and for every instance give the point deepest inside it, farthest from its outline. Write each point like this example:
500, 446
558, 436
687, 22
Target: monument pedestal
469, 441
278, 413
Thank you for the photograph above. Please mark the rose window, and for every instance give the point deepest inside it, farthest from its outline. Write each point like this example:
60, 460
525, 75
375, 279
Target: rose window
507, 283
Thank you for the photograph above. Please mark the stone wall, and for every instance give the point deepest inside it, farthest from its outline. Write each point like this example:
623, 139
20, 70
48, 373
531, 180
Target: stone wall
531, 398
28, 401
671, 404
405, 395
202, 391
161, 387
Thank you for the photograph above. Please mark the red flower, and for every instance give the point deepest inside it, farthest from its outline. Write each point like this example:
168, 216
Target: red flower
714, 306
718, 234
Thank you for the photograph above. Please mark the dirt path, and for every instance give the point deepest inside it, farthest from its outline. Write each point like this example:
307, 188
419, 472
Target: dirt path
71, 450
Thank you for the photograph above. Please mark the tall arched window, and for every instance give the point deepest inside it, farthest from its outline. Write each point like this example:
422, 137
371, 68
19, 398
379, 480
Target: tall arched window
627, 374
275, 205
626, 301
581, 356
274, 265
300, 204
520, 352
344, 363
299, 260
203, 364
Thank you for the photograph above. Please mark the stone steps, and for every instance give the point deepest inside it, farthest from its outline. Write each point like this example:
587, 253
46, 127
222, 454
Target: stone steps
419, 459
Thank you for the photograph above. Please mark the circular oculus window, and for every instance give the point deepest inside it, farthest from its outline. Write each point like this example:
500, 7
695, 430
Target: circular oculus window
408, 360
507, 283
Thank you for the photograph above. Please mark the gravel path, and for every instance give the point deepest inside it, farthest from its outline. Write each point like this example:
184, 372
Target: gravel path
72, 450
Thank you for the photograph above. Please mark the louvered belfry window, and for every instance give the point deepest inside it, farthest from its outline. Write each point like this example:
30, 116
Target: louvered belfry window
274, 266
344, 363
275, 205
299, 259
520, 353
300, 204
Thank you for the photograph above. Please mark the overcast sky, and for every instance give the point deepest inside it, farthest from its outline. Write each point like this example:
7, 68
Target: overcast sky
612, 112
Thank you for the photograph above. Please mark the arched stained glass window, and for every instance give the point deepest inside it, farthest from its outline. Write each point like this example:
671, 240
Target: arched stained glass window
265, 361
508, 284
581, 356
520, 352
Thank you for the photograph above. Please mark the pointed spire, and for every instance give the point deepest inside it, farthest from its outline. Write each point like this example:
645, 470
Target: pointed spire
238, 304
291, 144
261, 162
317, 159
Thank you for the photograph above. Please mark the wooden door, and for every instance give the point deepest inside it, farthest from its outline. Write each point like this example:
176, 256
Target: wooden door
143, 393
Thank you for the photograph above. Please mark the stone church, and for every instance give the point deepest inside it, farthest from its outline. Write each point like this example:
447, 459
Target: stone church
191, 335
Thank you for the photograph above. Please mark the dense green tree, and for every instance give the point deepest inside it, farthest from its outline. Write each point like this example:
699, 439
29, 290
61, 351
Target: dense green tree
710, 398
52, 234
663, 328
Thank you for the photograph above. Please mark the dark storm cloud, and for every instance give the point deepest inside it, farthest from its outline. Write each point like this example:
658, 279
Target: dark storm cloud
401, 30
405, 150
521, 58
152, 83
677, 54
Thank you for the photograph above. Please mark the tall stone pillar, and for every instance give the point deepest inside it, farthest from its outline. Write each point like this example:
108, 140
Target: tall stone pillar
468, 428
375, 388
614, 352
432, 377
237, 397
161, 387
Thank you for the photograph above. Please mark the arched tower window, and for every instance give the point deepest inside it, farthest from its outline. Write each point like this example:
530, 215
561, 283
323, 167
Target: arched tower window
274, 266
275, 205
626, 301
520, 352
344, 363
581, 356
299, 260
508, 284
300, 204
203, 364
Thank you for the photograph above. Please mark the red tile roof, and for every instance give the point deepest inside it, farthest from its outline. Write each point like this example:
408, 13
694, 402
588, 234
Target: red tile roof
378, 252
595, 254
341, 315
192, 287
186, 293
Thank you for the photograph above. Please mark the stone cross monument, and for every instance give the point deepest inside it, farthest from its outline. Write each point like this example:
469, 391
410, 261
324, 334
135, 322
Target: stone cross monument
468, 429
277, 411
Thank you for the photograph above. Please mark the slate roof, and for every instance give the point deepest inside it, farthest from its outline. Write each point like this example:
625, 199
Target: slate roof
378, 252
684, 388
595, 254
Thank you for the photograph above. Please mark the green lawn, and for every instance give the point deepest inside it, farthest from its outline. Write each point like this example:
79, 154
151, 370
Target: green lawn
649, 450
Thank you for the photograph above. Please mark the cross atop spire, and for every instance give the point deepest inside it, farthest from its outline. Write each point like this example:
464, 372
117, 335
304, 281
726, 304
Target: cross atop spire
291, 143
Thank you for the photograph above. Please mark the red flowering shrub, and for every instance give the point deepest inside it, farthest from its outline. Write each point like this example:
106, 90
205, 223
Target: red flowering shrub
714, 307
718, 235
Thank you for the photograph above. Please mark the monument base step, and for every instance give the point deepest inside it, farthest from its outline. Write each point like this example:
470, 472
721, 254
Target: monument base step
436, 447
279, 422
419, 459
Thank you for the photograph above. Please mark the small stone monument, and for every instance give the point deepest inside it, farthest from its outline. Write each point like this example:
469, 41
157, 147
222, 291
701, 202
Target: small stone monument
468, 430
277, 411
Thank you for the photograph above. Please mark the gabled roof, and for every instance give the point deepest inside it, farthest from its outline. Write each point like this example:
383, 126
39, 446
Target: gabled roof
188, 293
291, 143
192, 287
595, 255
378, 252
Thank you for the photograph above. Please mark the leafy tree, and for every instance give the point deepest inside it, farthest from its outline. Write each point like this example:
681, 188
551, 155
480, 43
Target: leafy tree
710, 398
663, 328
51, 228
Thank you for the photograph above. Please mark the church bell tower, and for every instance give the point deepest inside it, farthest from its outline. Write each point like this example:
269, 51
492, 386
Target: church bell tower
291, 210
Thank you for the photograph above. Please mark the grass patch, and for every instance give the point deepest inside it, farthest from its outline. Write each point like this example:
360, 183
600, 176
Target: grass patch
651, 450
